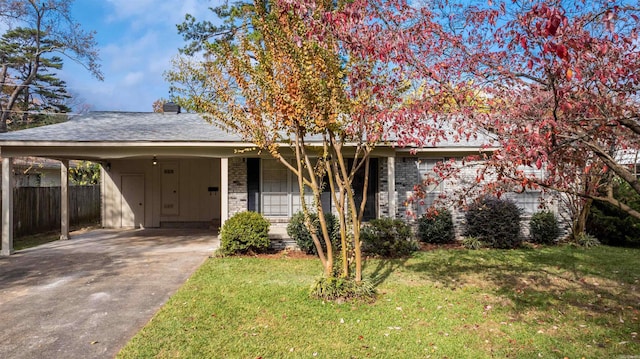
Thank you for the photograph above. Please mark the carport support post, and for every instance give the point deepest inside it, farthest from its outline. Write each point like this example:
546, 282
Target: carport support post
64, 199
7, 207
391, 181
224, 190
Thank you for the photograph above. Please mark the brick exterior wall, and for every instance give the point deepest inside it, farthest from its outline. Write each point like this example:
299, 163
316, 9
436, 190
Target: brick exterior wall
383, 188
407, 175
237, 185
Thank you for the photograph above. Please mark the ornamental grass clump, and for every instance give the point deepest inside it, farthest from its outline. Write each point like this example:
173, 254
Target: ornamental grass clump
586, 240
472, 243
343, 289
245, 232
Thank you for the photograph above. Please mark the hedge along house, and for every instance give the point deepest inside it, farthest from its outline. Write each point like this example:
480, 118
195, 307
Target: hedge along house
177, 170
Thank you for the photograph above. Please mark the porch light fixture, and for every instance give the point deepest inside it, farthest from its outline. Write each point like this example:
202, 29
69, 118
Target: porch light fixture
154, 161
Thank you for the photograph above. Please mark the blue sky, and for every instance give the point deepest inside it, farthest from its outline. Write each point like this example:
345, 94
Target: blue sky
137, 40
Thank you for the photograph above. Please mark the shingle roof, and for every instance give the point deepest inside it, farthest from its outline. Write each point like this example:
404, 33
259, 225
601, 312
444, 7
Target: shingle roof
127, 127
157, 127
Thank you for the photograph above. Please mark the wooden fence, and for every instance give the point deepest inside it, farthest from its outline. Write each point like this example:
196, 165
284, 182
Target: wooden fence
37, 209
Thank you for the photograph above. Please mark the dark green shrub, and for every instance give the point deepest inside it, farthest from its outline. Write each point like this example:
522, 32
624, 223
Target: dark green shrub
494, 221
613, 226
387, 237
245, 232
437, 228
297, 230
544, 228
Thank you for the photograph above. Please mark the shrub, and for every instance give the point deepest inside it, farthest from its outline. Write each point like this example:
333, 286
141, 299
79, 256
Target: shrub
437, 228
245, 232
494, 221
543, 228
587, 240
613, 226
297, 230
472, 243
387, 237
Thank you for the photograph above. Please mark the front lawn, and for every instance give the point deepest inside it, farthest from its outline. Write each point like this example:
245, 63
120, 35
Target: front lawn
552, 302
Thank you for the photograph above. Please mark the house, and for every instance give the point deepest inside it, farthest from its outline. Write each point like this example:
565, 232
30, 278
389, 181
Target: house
177, 170
37, 172
630, 158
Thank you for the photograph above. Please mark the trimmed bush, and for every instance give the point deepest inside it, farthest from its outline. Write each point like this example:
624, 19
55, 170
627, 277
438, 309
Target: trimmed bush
297, 230
245, 232
437, 228
387, 237
543, 228
494, 221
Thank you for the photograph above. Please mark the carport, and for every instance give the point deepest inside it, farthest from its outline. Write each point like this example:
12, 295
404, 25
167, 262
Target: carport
87, 297
158, 169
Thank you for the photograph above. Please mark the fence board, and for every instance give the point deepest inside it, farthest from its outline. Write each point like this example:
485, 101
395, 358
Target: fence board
37, 209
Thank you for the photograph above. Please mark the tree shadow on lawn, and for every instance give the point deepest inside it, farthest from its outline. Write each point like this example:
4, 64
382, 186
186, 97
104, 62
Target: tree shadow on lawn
539, 279
382, 269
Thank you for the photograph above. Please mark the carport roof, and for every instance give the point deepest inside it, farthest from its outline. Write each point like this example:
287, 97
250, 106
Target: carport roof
126, 127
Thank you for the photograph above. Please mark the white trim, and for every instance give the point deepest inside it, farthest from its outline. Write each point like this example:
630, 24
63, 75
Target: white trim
64, 200
7, 206
224, 190
391, 183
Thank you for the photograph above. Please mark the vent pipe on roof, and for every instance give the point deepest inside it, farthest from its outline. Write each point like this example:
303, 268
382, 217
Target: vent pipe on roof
170, 107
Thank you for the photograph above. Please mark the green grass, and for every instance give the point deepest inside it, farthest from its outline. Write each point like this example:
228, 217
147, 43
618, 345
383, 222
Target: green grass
34, 240
552, 302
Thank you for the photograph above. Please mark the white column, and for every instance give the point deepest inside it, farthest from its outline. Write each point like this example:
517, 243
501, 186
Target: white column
64, 199
7, 207
391, 181
224, 190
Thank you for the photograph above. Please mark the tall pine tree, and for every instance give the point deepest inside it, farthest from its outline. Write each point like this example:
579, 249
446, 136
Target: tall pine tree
30, 53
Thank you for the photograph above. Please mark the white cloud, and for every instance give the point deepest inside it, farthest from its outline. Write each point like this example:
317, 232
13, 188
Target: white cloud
147, 12
138, 39
133, 78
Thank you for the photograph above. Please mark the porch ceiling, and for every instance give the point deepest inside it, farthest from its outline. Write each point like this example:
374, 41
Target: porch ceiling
104, 151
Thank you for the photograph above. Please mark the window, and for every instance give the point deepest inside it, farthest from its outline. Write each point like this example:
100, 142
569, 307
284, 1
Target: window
529, 201
280, 195
432, 191
275, 189
278, 192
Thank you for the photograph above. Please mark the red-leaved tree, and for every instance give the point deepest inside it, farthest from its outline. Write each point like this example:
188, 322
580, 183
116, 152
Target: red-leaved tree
556, 82
562, 79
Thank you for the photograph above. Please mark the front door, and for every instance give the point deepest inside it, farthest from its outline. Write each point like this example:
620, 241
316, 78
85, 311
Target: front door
170, 184
133, 201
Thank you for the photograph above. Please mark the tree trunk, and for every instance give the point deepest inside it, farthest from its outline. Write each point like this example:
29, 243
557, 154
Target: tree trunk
580, 222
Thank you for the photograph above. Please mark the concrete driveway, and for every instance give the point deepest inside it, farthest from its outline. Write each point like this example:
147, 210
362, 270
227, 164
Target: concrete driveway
86, 297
